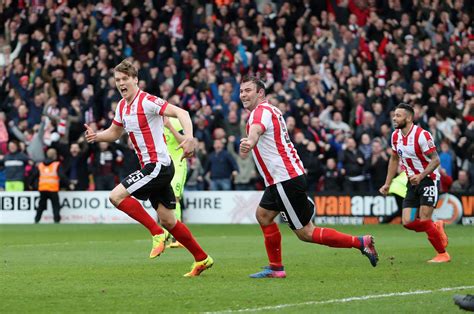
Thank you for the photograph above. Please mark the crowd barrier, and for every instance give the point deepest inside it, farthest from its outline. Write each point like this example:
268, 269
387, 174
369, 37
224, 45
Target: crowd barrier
232, 207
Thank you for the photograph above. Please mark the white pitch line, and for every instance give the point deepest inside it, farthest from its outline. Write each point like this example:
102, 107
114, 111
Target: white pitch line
344, 300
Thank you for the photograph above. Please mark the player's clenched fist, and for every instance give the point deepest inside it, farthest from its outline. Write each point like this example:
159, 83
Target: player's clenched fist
91, 136
245, 146
188, 146
384, 189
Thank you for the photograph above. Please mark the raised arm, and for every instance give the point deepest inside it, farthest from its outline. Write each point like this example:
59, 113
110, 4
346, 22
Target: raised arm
16, 131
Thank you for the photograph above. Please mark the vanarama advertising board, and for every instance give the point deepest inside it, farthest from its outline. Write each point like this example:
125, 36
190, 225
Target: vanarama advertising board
345, 209
360, 209
232, 207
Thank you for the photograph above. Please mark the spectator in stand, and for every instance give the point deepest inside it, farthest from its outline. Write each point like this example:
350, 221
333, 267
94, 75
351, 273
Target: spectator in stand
2, 175
300, 143
104, 166
433, 129
243, 179
33, 139
195, 180
380, 117
3, 134
221, 167
367, 126
14, 163
291, 127
233, 125
445, 123
447, 157
462, 184
75, 165
202, 132
203, 156
313, 167
333, 179
385, 137
336, 143
127, 160
64, 120
365, 146
316, 133
334, 123
445, 181
352, 165
378, 165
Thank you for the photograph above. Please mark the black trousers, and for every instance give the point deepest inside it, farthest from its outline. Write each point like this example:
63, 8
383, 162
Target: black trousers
104, 183
44, 196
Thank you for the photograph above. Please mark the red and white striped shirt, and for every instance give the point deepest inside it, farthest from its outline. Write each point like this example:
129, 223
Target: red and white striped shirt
413, 150
143, 121
275, 156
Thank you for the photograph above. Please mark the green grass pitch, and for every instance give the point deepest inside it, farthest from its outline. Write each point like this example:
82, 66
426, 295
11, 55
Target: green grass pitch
105, 268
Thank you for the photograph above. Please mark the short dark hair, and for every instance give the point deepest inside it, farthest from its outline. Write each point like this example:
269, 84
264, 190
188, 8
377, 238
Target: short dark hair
258, 82
407, 107
127, 68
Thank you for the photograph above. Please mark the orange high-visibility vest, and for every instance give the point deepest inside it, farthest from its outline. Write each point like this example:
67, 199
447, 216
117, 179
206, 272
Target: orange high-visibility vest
49, 178
223, 2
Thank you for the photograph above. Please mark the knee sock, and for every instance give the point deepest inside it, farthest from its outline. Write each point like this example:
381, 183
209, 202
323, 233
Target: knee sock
415, 225
429, 227
333, 238
134, 209
181, 233
272, 236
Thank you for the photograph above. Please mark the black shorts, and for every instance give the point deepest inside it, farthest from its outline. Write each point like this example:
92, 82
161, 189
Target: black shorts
426, 193
290, 199
152, 182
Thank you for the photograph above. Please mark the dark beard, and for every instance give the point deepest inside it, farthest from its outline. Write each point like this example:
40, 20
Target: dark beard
401, 125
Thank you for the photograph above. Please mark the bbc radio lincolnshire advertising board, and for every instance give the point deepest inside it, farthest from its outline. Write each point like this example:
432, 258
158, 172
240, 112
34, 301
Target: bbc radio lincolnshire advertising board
233, 207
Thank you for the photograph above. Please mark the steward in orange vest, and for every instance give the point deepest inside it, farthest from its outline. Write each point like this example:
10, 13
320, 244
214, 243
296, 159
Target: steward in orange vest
49, 174
48, 177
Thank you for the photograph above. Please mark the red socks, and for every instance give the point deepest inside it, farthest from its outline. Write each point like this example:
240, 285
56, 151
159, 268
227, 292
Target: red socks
326, 236
272, 237
134, 209
415, 225
333, 238
181, 233
429, 227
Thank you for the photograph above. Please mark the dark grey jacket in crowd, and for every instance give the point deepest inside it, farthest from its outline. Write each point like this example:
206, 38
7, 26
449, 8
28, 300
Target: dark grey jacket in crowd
14, 166
34, 148
246, 166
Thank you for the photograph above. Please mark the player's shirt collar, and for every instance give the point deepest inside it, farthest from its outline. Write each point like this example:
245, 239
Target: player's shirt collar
263, 103
411, 129
128, 104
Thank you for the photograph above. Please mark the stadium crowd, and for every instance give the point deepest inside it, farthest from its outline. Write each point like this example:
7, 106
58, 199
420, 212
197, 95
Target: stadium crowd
335, 68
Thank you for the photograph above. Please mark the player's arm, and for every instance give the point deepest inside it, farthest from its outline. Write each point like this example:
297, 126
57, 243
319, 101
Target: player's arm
432, 165
109, 135
248, 143
391, 172
177, 135
429, 150
187, 144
